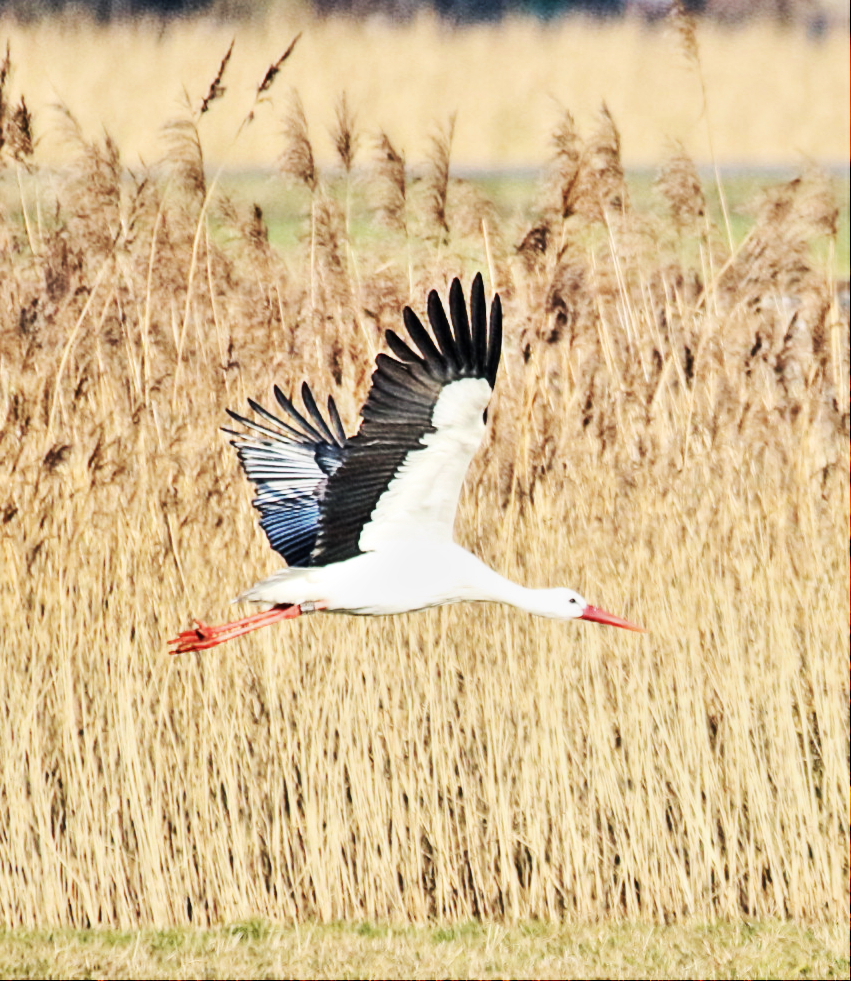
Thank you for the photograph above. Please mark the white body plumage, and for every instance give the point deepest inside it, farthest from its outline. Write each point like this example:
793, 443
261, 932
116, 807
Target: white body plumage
409, 576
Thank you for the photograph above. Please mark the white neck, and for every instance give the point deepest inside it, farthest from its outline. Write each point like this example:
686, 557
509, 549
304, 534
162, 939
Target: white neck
491, 587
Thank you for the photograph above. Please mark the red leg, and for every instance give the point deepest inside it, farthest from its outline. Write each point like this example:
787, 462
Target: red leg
204, 636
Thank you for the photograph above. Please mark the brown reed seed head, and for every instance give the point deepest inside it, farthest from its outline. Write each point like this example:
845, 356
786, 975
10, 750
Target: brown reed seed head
5, 68
680, 184
6, 65
685, 25
605, 164
329, 231
19, 134
297, 158
567, 159
344, 133
273, 69
438, 159
391, 185
778, 255
216, 90
597, 188
185, 156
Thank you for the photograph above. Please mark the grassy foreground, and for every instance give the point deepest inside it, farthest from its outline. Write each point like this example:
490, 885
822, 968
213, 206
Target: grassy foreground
257, 950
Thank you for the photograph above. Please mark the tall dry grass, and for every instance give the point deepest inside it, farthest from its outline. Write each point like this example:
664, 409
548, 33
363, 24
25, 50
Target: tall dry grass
669, 436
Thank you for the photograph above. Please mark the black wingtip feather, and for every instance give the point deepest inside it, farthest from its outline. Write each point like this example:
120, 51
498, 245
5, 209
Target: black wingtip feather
479, 323
433, 360
401, 349
269, 417
461, 323
336, 421
314, 413
494, 340
442, 330
288, 407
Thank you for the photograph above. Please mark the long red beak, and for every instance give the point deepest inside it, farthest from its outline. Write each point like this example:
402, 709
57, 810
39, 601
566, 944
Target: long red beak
602, 616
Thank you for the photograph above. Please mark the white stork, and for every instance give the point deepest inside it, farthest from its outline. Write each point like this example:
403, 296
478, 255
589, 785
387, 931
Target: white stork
365, 523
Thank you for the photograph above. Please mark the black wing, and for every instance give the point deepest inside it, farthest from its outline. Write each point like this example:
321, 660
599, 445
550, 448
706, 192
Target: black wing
290, 463
401, 475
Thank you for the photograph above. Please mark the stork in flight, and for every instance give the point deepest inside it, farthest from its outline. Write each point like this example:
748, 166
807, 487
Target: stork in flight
365, 523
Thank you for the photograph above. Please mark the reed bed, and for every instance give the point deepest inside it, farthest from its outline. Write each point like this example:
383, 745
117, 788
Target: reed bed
669, 436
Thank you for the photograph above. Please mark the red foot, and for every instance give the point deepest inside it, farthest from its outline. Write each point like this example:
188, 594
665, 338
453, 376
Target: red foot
205, 636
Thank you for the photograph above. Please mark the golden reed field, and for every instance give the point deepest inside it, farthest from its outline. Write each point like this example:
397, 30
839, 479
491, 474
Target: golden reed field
669, 436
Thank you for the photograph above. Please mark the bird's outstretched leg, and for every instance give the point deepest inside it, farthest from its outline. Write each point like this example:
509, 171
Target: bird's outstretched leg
203, 636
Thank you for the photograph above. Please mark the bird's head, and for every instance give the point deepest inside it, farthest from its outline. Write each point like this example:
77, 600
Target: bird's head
565, 604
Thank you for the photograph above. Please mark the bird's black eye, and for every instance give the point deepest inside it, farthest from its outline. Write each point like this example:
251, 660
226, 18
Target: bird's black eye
572, 600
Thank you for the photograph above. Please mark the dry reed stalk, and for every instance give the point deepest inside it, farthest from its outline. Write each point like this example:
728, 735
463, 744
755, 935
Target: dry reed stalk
16, 137
685, 25
297, 162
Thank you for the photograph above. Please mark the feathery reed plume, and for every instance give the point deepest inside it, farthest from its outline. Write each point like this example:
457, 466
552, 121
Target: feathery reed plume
5, 68
685, 24
297, 158
6, 65
216, 90
256, 230
344, 133
92, 195
185, 156
19, 134
269, 78
248, 223
679, 183
818, 207
470, 207
437, 182
570, 300
605, 173
329, 230
777, 255
534, 246
391, 185
561, 189
275, 67
566, 164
